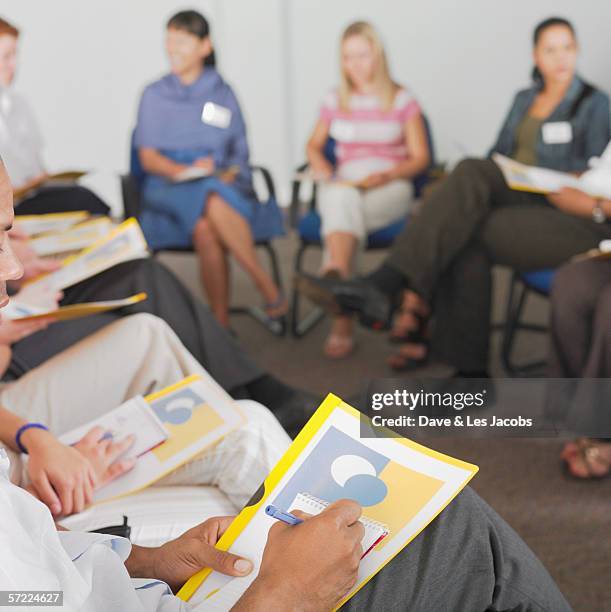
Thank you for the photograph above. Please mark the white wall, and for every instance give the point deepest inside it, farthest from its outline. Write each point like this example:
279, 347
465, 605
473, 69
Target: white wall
463, 60
84, 63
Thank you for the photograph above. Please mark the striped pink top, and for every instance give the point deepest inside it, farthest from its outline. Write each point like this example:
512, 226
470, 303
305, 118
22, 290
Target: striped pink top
369, 139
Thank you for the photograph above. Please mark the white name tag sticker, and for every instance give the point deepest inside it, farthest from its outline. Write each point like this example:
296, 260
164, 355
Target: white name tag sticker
216, 115
342, 130
557, 132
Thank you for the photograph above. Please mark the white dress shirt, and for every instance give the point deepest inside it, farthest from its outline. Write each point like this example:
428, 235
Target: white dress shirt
20, 138
89, 568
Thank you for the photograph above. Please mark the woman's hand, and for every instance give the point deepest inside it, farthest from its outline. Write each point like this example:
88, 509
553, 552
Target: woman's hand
14, 331
60, 476
377, 179
205, 163
102, 454
33, 265
321, 168
573, 202
65, 477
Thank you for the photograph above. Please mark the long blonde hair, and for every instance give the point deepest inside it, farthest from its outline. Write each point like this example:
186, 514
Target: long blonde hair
385, 86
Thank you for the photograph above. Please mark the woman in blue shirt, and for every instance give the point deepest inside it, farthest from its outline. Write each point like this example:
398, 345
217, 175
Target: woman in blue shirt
190, 120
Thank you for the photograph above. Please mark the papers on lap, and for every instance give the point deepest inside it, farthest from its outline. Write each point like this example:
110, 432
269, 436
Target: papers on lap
124, 243
32, 225
133, 417
196, 413
75, 238
530, 178
308, 175
193, 173
59, 178
399, 483
16, 311
595, 182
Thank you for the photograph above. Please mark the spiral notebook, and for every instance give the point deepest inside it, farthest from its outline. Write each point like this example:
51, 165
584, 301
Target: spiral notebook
375, 531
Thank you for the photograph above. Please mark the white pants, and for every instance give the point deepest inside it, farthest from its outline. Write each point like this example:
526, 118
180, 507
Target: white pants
138, 355
362, 211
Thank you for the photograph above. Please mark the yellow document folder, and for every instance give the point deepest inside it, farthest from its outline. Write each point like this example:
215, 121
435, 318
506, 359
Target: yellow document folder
398, 482
22, 312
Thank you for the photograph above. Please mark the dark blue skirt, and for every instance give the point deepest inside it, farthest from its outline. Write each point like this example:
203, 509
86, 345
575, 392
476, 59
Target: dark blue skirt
171, 210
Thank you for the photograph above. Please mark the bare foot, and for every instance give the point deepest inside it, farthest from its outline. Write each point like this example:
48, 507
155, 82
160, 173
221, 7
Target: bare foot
339, 343
587, 458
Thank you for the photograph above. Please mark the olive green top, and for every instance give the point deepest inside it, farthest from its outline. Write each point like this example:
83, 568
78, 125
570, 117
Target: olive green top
526, 141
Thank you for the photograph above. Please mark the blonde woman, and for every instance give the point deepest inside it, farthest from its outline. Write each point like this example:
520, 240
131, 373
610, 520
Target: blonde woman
381, 144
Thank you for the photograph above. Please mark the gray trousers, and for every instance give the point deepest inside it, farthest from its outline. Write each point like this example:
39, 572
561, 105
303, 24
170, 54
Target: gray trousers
470, 222
581, 321
467, 560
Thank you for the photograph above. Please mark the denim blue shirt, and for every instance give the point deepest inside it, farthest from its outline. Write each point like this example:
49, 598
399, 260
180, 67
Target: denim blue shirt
590, 126
170, 120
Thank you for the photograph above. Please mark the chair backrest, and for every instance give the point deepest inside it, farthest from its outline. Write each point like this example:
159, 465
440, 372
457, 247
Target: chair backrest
135, 167
131, 183
419, 181
423, 178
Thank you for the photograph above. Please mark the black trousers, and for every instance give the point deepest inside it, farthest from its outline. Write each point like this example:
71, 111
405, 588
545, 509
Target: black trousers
469, 223
62, 199
168, 299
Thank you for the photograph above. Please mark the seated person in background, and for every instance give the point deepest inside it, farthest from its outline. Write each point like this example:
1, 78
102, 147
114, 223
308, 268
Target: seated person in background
21, 145
191, 118
136, 355
581, 347
473, 220
27, 345
381, 144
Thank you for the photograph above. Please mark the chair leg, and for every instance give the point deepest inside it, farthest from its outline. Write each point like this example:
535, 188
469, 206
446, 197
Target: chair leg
278, 328
300, 328
516, 300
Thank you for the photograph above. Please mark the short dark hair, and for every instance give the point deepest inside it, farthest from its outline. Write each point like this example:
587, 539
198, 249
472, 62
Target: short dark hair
8, 28
550, 22
193, 23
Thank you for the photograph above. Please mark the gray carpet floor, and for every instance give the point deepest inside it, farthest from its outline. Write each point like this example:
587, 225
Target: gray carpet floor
567, 523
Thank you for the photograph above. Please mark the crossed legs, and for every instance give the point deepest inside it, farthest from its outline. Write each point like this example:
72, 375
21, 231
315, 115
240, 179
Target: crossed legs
220, 232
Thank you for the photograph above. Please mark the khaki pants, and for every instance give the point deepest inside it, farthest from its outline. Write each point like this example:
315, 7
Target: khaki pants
138, 355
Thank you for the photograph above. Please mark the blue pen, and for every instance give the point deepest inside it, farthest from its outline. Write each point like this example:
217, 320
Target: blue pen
285, 517
108, 435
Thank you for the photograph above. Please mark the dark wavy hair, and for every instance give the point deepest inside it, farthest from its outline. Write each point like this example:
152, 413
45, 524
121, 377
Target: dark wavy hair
550, 22
193, 23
